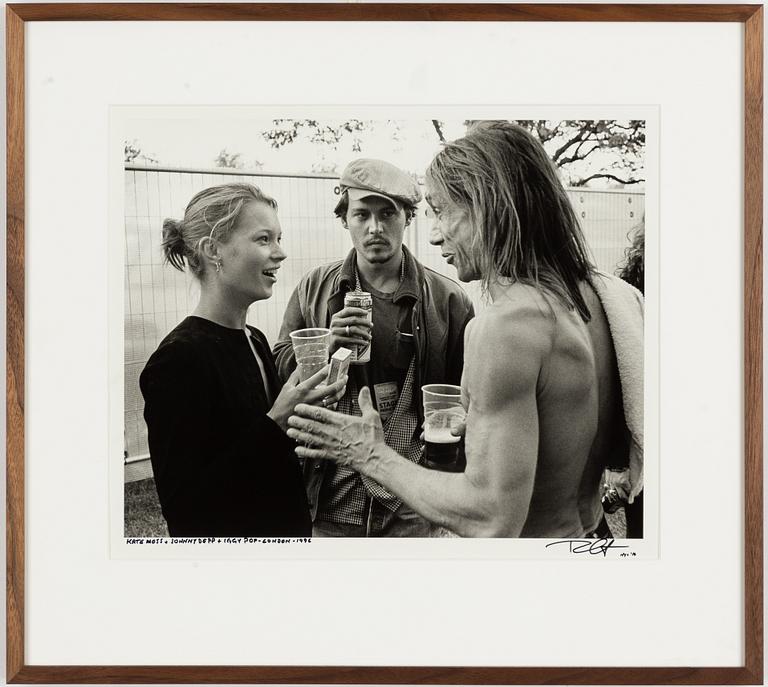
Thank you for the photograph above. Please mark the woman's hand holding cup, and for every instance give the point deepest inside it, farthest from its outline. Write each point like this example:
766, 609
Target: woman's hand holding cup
312, 391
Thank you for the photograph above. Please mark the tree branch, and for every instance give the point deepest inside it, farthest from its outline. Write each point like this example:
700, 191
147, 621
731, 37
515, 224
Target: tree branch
578, 138
634, 125
626, 182
576, 157
439, 129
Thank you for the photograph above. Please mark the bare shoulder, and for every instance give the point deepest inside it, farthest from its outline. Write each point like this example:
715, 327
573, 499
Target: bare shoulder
508, 343
520, 317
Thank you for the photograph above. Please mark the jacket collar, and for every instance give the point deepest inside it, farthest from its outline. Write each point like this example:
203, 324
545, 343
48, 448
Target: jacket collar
409, 288
347, 274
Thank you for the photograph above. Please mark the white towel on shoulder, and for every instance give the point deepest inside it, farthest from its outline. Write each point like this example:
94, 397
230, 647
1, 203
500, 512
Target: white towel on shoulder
625, 311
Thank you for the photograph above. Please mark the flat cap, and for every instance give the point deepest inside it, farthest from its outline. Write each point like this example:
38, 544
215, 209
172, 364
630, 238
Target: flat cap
367, 177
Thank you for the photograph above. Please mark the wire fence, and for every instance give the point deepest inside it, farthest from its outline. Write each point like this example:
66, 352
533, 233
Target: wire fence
158, 297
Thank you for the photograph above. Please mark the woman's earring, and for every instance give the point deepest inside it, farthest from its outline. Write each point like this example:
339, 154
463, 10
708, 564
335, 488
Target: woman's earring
218, 265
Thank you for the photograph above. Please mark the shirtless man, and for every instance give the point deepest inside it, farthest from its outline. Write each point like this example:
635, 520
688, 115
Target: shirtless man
541, 383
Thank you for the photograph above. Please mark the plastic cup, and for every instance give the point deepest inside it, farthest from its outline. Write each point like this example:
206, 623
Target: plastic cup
443, 412
310, 346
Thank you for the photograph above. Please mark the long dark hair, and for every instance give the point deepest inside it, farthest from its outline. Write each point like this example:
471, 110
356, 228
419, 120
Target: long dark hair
525, 227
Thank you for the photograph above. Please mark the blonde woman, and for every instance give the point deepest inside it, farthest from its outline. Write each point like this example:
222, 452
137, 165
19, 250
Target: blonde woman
214, 408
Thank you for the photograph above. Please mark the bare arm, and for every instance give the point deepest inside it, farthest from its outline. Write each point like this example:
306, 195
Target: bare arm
491, 498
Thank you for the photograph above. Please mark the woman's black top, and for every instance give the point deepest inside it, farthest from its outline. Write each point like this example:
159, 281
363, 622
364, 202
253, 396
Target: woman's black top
222, 467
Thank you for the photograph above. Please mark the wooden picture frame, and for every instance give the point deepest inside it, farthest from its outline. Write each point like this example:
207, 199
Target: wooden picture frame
750, 16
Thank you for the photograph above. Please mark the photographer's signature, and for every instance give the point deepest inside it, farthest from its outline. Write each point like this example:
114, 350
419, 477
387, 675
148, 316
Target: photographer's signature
591, 546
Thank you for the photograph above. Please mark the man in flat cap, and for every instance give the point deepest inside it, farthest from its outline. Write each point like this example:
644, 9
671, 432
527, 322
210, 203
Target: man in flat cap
416, 337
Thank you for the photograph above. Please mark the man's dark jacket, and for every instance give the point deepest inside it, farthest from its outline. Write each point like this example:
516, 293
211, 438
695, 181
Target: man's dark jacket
440, 312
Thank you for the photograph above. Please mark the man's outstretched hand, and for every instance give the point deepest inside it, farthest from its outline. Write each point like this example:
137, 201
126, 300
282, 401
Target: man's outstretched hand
345, 439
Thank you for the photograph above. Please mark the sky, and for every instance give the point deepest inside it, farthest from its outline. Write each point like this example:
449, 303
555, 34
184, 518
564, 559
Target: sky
410, 144
196, 143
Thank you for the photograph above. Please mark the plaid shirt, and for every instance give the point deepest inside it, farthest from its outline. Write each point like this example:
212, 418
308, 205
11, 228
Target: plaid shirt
349, 493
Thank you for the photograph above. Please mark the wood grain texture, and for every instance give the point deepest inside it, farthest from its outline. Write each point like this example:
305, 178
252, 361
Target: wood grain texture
379, 12
14, 365
753, 342
751, 673
390, 675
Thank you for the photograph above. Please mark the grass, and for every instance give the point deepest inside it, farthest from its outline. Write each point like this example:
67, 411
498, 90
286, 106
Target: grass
144, 519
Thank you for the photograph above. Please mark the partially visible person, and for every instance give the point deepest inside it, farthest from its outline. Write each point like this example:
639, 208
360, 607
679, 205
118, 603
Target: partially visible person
551, 393
214, 407
415, 337
617, 475
633, 269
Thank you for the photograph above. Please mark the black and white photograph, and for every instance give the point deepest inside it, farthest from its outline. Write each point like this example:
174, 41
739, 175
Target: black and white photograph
361, 328
453, 312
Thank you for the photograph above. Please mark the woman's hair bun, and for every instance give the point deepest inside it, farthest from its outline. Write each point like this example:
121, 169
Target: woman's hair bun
174, 248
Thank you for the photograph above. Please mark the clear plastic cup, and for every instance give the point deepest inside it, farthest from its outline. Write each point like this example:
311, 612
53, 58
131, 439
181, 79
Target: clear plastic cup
310, 347
443, 412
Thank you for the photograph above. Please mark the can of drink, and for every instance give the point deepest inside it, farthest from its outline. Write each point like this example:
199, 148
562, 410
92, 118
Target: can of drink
360, 299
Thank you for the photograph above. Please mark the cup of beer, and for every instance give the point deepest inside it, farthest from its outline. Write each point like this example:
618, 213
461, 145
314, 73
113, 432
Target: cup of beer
310, 346
443, 412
